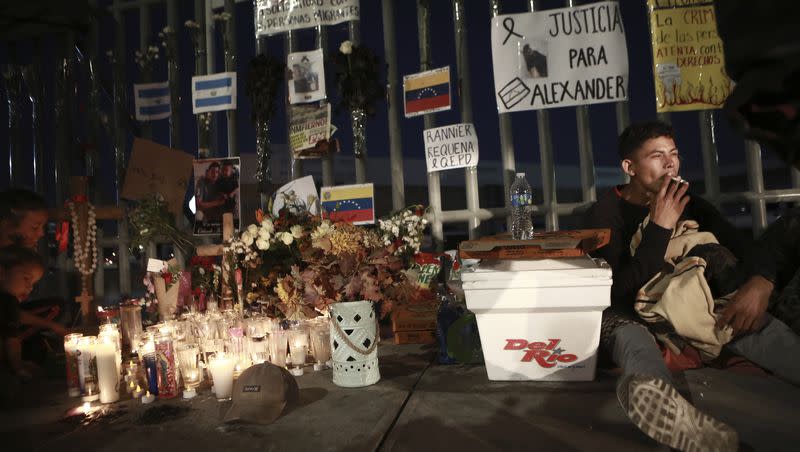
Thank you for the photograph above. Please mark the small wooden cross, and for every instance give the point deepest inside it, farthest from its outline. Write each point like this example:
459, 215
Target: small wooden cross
86, 304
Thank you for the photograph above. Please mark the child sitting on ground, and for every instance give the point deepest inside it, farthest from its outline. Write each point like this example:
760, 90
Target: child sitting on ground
20, 269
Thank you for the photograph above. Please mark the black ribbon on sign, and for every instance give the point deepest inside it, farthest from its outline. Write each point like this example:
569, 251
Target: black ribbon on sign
510, 29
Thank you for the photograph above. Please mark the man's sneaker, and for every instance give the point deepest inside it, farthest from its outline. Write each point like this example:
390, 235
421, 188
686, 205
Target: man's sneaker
657, 408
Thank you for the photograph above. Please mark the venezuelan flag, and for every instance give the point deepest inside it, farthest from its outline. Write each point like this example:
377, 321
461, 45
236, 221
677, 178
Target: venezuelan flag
350, 203
427, 92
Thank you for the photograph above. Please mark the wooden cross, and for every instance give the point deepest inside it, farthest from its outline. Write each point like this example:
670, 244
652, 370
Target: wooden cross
79, 187
216, 250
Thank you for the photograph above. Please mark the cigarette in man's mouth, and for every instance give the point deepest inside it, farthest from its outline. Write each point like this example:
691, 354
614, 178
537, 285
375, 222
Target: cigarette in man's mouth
678, 180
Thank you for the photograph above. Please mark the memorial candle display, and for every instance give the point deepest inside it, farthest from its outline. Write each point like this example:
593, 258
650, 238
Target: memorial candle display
165, 362
111, 332
277, 347
131, 321
148, 353
221, 366
298, 345
87, 368
70, 350
190, 370
321, 345
107, 375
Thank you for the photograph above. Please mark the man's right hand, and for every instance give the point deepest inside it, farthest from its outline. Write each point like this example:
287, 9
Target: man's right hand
667, 205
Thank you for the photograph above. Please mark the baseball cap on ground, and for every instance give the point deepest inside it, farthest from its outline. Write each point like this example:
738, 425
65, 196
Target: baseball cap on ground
261, 394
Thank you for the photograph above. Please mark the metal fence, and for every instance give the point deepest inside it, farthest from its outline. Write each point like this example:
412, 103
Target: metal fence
472, 216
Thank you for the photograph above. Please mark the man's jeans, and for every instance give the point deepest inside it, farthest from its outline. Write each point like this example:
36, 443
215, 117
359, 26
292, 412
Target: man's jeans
775, 348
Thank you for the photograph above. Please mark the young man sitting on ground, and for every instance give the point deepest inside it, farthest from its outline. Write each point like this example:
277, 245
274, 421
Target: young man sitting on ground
646, 391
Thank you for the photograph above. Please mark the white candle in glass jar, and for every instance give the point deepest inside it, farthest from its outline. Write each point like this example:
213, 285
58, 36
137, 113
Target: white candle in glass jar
107, 376
298, 346
111, 333
221, 367
71, 342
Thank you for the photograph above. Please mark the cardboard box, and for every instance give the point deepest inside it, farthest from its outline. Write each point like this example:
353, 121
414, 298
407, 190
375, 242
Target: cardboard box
539, 319
415, 337
414, 318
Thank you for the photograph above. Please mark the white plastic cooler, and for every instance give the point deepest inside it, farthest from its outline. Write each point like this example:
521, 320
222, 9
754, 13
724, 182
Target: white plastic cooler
539, 319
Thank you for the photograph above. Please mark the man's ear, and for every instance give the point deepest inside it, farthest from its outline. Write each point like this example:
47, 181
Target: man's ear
628, 167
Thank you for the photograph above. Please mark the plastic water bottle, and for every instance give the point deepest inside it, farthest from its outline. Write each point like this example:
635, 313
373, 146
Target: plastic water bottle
521, 207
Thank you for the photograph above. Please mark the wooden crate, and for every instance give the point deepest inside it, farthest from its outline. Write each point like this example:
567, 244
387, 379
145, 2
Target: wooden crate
415, 337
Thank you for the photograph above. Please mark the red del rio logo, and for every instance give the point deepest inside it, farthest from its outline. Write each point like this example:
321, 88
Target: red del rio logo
544, 353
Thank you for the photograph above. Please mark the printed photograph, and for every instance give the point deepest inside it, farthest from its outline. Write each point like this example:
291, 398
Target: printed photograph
533, 59
306, 77
216, 186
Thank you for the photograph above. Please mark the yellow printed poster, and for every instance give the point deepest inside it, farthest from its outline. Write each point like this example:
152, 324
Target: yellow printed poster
688, 61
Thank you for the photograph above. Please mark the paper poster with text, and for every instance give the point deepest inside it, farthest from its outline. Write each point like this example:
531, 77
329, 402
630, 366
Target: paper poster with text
559, 58
308, 125
688, 59
278, 16
453, 146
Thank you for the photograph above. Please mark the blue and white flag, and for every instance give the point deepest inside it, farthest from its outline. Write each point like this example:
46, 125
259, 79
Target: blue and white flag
215, 92
152, 101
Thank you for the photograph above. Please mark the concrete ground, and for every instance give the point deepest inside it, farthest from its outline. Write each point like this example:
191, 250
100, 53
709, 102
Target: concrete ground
417, 406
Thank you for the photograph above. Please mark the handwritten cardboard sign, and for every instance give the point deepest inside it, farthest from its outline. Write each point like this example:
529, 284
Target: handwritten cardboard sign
559, 57
688, 59
154, 168
453, 146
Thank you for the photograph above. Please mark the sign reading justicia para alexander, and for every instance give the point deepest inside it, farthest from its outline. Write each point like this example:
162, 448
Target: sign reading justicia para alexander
559, 58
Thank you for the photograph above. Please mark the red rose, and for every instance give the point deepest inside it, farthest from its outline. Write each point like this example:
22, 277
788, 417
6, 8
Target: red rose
167, 278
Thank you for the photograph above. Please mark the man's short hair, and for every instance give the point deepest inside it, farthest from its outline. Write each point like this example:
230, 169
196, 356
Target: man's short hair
212, 165
13, 256
634, 136
15, 203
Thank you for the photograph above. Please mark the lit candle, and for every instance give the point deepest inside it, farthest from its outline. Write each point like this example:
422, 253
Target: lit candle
321, 345
221, 367
148, 398
87, 369
277, 348
191, 378
131, 386
87, 407
138, 392
151, 372
298, 346
107, 376
110, 332
70, 349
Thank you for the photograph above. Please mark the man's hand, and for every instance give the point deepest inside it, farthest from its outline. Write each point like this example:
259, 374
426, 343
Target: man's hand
667, 205
745, 313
